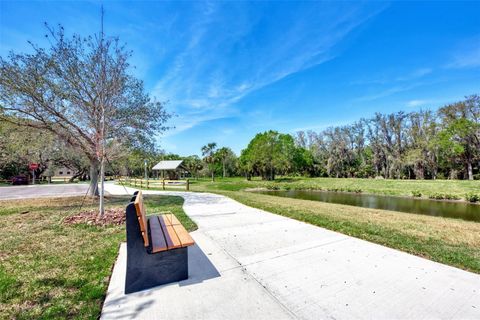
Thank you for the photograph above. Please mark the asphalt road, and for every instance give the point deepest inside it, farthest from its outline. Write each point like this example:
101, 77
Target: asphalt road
42, 191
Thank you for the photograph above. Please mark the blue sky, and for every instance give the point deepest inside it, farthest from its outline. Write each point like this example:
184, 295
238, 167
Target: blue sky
232, 69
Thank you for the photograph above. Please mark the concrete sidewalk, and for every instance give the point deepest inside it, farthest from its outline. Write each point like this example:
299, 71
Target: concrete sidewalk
248, 263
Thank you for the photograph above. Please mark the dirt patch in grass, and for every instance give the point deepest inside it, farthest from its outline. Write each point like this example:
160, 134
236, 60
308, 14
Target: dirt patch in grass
114, 216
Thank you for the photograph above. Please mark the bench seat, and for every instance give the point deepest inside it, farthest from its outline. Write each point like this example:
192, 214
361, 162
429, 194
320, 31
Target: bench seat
156, 248
168, 233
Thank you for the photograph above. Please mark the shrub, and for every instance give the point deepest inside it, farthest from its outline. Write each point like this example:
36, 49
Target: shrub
451, 197
441, 176
272, 187
444, 196
472, 197
416, 194
436, 196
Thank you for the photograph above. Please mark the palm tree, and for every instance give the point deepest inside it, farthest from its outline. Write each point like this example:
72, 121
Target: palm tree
208, 152
223, 154
193, 164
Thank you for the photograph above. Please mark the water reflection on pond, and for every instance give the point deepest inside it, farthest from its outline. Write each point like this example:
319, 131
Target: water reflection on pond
459, 210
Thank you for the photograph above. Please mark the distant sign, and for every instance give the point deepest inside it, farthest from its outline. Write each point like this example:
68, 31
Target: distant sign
33, 166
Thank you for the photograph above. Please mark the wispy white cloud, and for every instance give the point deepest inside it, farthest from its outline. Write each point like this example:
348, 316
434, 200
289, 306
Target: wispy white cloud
391, 84
416, 103
323, 126
415, 74
467, 55
391, 77
388, 92
231, 51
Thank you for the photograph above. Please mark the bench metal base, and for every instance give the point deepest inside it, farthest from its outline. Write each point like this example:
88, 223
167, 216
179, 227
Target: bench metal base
146, 270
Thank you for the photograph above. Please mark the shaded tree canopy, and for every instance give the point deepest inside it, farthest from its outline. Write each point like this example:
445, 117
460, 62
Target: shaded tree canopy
22, 145
227, 159
270, 153
193, 164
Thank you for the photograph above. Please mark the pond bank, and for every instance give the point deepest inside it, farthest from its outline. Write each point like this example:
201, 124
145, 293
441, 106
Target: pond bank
440, 208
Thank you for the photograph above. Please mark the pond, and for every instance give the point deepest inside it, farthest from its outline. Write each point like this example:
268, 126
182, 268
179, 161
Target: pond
450, 209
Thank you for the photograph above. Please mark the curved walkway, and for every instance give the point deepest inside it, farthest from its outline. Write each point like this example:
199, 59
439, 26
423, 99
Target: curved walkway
252, 264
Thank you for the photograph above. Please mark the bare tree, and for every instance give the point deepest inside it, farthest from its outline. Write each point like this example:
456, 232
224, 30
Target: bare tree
80, 89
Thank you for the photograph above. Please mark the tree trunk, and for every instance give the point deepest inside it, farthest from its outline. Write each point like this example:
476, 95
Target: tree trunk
470, 170
79, 174
102, 189
224, 169
94, 166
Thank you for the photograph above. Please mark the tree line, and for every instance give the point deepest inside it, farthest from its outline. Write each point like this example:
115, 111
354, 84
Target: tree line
416, 145
423, 144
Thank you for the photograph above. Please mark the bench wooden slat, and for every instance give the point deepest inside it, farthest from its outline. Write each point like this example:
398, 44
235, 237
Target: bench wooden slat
170, 234
182, 234
156, 232
173, 220
166, 218
141, 214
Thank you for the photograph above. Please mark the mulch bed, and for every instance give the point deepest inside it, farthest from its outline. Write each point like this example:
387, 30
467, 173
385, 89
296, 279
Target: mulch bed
115, 216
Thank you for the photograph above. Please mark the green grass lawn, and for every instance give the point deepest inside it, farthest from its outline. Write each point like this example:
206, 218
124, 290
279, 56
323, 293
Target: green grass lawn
426, 188
52, 270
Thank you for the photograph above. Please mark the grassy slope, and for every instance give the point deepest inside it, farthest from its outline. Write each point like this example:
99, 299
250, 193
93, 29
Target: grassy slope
51, 270
450, 241
373, 186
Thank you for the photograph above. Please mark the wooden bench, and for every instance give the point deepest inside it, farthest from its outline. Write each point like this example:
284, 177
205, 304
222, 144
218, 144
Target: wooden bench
157, 248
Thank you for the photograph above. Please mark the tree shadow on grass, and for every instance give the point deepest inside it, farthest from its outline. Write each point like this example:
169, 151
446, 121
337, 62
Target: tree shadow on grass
284, 180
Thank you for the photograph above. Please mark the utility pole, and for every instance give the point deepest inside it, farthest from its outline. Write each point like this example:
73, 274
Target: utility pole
102, 166
146, 175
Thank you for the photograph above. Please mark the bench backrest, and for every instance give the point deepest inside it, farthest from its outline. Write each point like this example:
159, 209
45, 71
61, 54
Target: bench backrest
141, 215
